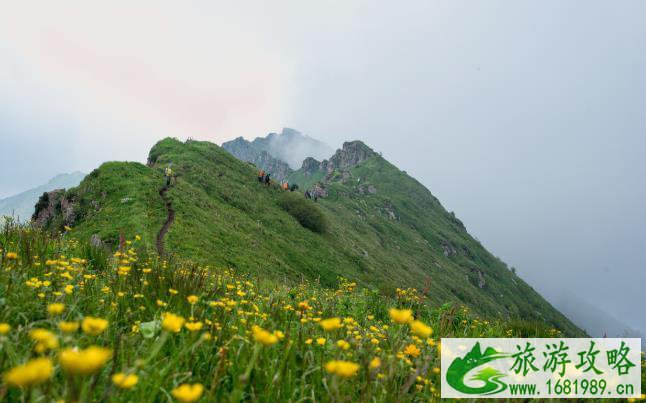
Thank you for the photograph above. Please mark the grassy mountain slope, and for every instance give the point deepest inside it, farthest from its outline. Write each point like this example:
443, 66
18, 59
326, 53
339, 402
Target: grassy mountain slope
397, 235
168, 324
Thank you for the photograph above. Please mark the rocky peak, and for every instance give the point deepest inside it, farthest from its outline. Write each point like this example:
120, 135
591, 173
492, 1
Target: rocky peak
352, 153
310, 165
291, 133
241, 148
277, 168
247, 151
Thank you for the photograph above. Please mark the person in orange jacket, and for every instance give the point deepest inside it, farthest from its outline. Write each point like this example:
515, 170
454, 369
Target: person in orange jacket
285, 186
261, 175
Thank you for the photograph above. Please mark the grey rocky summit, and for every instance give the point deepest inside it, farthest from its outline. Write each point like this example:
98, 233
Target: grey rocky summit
278, 153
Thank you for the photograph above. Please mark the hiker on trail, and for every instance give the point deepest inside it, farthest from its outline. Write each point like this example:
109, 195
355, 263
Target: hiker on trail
261, 175
285, 185
308, 195
293, 187
168, 174
267, 180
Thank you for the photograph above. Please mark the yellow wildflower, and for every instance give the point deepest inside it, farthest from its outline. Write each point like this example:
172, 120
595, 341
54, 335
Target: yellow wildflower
123, 270
172, 323
420, 329
401, 316
11, 255
330, 324
45, 340
125, 381
192, 299
94, 326
56, 308
343, 345
375, 363
264, 337
68, 327
193, 326
4, 328
187, 393
412, 350
32, 373
84, 362
321, 341
344, 369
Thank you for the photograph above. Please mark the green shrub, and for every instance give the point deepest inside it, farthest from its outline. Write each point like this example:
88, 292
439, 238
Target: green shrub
303, 210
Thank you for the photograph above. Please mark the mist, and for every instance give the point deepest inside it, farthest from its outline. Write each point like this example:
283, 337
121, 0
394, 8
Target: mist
524, 118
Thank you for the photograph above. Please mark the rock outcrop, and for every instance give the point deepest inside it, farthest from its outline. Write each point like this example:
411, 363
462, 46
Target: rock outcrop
351, 154
246, 151
318, 190
54, 205
310, 166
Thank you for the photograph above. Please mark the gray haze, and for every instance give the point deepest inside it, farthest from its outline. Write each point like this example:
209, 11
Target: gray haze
525, 118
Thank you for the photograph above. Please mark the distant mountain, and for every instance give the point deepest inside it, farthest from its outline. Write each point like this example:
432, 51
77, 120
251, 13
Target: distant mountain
382, 227
594, 320
277, 153
21, 206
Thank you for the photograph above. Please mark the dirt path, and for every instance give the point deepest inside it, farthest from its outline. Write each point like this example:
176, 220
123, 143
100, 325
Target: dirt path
169, 220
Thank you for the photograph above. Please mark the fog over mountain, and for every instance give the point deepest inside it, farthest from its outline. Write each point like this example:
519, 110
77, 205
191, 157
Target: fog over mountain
293, 147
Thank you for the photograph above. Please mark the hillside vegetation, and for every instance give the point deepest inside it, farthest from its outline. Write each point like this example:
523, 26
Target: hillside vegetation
79, 324
384, 229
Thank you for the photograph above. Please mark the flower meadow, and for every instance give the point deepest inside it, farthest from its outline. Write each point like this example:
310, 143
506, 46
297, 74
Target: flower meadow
79, 323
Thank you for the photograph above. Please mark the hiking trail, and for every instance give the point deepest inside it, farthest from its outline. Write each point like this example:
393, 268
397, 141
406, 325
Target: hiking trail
169, 220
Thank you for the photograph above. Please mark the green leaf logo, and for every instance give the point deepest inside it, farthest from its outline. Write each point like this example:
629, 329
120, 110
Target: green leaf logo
460, 367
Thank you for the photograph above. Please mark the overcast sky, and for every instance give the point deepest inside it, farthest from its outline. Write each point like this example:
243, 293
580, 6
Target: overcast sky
528, 119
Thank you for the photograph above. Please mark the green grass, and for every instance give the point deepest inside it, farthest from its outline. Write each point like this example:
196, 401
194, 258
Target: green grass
305, 181
304, 211
223, 355
393, 238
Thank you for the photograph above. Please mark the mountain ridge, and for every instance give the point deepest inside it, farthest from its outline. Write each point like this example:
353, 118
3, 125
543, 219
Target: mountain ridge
386, 229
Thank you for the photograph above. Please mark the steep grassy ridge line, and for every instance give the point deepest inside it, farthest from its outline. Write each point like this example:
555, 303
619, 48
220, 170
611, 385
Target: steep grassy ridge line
385, 229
